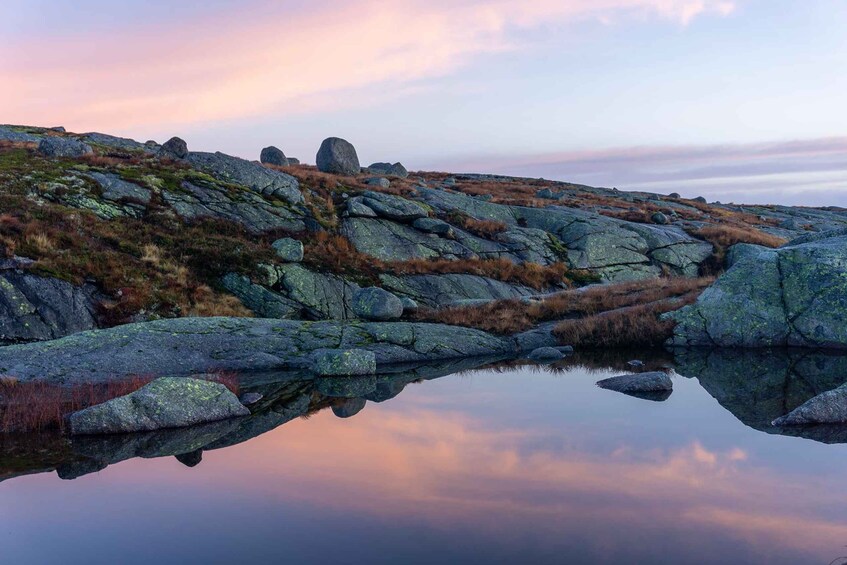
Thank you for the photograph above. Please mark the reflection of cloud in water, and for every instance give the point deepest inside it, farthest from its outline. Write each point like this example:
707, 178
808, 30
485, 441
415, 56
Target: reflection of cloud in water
451, 470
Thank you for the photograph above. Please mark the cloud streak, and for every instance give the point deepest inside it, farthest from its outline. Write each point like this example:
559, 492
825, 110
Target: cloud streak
810, 171
262, 59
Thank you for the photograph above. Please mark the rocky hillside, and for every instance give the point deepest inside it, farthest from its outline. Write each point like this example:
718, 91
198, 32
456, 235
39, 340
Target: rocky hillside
99, 231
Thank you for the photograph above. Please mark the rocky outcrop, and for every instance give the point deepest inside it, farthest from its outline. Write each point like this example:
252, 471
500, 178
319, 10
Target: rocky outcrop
254, 176
63, 147
244, 207
337, 156
164, 403
34, 308
188, 346
792, 296
445, 290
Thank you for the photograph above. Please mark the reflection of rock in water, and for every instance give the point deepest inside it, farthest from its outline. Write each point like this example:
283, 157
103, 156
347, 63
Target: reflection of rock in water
285, 396
349, 407
758, 386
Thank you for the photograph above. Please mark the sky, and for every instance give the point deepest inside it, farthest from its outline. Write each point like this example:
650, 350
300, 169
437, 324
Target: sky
736, 100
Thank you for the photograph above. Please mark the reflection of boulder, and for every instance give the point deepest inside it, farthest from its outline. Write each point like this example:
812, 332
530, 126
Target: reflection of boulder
349, 407
758, 386
190, 459
345, 387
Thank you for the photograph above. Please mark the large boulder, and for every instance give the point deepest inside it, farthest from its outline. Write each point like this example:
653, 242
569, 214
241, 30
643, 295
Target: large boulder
792, 296
175, 148
167, 402
826, 408
273, 156
63, 147
388, 169
338, 156
374, 303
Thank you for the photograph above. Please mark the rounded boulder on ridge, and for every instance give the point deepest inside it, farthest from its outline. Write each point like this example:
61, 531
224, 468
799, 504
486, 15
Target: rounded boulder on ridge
338, 156
273, 156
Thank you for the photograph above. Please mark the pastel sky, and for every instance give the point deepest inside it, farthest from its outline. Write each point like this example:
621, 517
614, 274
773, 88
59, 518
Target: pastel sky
738, 100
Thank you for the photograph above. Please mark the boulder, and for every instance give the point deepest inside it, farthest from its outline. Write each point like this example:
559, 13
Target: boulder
388, 169
700, 199
381, 182
546, 194
344, 362
659, 218
273, 156
642, 382
337, 156
293, 161
167, 402
357, 208
63, 147
288, 249
794, 296
674, 195
374, 303
175, 148
409, 305
545, 355
829, 407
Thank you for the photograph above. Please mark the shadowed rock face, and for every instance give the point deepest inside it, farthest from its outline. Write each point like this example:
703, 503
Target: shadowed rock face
794, 296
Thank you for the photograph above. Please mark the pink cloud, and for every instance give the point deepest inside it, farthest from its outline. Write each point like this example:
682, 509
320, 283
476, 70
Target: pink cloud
254, 61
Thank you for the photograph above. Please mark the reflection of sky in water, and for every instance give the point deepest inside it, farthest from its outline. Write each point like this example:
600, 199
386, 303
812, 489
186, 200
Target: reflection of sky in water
486, 467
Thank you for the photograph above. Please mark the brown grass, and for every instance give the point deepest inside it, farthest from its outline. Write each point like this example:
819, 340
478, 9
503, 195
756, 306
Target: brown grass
39, 406
481, 228
506, 317
727, 236
633, 326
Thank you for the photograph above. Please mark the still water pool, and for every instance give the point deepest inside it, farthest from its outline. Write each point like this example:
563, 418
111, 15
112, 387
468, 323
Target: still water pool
523, 465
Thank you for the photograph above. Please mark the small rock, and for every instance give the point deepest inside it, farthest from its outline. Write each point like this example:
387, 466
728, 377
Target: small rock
642, 382
273, 156
566, 349
344, 362
546, 354
289, 250
545, 193
829, 407
387, 169
674, 195
635, 363
659, 218
357, 208
337, 156
167, 402
250, 398
59, 129
433, 225
700, 199
378, 181
293, 161
175, 148
789, 224
374, 303
63, 147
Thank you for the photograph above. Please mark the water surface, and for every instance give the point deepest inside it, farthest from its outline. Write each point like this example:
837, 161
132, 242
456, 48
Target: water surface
525, 465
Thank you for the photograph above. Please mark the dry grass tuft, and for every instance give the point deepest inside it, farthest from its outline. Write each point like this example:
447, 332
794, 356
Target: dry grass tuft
727, 236
506, 317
